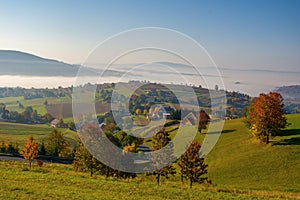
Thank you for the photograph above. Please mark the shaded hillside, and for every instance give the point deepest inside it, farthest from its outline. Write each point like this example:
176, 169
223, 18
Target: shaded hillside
291, 95
290, 92
20, 63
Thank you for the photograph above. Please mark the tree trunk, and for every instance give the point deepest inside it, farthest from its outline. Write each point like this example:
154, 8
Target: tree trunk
158, 176
191, 183
267, 139
107, 172
91, 172
29, 164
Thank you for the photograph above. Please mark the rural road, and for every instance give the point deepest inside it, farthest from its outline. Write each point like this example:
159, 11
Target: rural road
13, 158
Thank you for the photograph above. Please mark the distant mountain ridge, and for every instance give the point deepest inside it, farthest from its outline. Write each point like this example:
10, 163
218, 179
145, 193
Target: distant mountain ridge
13, 55
291, 92
21, 63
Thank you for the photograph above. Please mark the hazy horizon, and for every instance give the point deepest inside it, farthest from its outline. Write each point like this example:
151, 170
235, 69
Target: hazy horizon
251, 83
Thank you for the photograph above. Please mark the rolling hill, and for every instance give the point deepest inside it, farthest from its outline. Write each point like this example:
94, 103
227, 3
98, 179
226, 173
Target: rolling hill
25, 64
238, 164
20, 63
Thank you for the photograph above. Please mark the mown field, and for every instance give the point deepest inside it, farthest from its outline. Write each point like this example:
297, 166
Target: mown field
37, 104
18, 133
240, 167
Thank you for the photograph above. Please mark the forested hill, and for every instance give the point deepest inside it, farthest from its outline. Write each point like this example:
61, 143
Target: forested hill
291, 95
236, 102
290, 92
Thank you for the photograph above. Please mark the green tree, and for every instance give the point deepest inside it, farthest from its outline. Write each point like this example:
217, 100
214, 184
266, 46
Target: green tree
160, 140
30, 150
34, 115
47, 118
42, 149
12, 148
266, 116
46, 102
91, 135
176, 114
72, 126
3, 111
61, 123
56, 144
84, 161
193, 166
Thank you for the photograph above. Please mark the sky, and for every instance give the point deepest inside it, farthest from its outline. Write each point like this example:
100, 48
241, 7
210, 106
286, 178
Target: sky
237, 34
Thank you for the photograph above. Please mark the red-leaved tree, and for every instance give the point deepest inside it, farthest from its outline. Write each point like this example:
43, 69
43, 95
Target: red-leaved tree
193, 166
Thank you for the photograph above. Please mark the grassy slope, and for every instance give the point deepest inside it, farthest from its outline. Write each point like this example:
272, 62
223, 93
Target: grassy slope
241, 161
238, 164
19, 133
37, 104
61, 182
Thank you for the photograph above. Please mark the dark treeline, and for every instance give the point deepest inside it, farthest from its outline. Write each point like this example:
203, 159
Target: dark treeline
34, 93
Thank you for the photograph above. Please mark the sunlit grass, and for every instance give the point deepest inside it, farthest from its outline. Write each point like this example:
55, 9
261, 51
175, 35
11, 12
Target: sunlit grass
18, 133
54, 181
240, 167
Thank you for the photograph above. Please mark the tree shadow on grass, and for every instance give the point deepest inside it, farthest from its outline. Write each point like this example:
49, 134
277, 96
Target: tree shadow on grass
289, 141
228, 131
289, 132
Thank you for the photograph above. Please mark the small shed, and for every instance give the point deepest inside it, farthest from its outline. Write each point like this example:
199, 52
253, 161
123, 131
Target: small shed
55, 123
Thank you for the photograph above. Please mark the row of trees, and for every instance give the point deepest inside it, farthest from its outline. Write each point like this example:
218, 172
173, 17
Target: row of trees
84, 161
9, 148
34, 93
192, 165
29, 115
56, 145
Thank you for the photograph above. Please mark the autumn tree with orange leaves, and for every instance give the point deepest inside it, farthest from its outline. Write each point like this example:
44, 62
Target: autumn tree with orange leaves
192, 165
30, 150
266, 116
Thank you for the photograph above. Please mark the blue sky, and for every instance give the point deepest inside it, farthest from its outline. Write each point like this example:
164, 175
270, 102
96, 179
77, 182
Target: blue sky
237, 34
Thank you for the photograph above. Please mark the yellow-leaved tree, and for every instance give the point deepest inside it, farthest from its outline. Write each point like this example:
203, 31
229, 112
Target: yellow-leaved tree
30, 150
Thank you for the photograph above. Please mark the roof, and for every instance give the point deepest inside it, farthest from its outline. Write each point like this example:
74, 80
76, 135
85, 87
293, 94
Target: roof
55, 121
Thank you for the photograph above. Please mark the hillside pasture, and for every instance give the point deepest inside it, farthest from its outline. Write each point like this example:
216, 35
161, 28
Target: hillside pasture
18, 133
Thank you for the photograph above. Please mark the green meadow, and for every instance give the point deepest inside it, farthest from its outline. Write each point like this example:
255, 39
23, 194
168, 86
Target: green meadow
18, 133
240, 167
37, 104
54, 181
